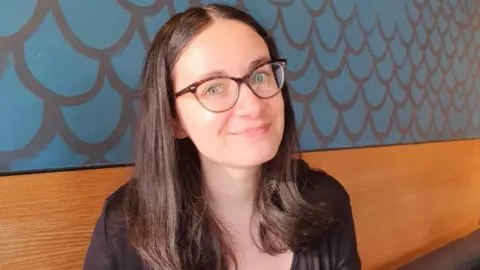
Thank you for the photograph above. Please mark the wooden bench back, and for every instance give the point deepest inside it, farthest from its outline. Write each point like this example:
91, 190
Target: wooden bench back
407, 200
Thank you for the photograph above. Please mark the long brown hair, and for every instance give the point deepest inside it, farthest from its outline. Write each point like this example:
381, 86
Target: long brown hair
169, 222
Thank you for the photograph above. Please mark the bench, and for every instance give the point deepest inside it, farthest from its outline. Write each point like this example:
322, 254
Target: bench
407, 201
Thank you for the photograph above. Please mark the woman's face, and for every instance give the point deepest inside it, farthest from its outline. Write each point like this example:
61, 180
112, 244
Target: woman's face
249, 133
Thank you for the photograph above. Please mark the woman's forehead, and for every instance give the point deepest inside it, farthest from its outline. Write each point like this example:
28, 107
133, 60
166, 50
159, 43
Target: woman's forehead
226, 45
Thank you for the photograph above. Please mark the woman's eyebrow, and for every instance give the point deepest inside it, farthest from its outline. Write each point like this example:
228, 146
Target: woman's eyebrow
213, 73
220, 72
258, 61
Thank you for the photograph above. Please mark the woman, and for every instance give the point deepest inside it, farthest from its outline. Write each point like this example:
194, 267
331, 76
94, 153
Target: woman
215, 184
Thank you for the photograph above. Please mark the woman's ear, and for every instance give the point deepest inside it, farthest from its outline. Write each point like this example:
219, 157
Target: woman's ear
178, 130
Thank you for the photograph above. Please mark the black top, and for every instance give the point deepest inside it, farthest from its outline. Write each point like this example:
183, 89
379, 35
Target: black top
337, 249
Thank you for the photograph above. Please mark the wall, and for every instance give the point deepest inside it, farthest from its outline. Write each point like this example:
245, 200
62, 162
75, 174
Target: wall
377, 73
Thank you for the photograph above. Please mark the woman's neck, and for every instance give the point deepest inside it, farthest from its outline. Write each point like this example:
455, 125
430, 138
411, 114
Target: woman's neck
230, 191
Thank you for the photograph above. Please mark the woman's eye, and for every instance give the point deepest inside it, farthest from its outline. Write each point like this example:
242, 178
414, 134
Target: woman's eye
259, 77
213, 90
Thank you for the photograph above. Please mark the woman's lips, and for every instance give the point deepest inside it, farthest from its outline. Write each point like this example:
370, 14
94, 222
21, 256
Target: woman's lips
253, 131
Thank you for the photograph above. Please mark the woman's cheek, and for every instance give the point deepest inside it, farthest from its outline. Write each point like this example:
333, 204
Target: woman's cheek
205, 123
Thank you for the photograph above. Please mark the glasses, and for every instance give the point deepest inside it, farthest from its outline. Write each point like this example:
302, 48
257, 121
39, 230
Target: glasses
220, 93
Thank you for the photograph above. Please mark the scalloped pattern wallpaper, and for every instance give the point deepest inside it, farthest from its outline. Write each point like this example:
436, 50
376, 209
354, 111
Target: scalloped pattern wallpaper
362, 73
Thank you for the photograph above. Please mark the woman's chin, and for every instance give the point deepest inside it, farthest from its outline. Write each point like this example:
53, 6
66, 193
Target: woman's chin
253, 156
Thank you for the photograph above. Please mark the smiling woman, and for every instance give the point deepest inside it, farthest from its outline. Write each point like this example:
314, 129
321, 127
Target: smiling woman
216, 186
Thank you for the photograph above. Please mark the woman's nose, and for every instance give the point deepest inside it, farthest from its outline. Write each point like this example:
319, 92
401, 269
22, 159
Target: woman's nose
248, 104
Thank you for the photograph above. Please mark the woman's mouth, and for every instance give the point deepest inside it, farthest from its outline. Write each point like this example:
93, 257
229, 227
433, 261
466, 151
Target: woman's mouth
253, 130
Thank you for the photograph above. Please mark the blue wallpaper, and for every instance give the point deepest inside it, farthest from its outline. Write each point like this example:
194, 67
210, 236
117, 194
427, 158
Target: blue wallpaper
362, 73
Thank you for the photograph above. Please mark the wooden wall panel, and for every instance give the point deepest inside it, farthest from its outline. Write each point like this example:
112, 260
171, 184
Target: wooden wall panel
46, 219
407, 200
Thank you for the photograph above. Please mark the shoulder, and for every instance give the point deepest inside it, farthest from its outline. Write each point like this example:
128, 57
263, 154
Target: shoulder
114, 204
109, 247
114, 214
318, 186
